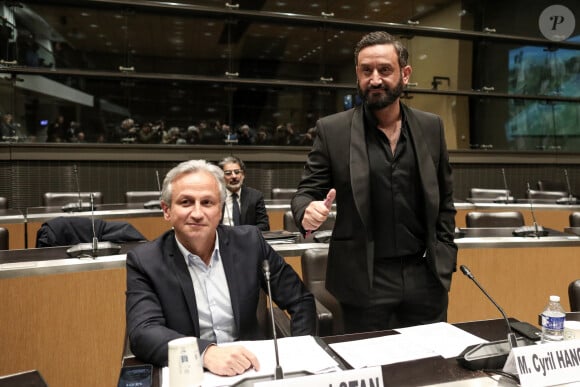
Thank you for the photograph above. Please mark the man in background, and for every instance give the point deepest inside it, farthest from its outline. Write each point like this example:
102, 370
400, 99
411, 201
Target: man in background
243, 205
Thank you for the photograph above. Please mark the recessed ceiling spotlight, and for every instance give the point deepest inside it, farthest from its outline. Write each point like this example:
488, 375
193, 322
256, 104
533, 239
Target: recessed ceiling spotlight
346, 7
94, 26
387, 2
85, 14
314, 5
118, 16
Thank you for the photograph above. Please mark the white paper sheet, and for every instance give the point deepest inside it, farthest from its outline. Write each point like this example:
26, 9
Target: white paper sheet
301, 353
419, 342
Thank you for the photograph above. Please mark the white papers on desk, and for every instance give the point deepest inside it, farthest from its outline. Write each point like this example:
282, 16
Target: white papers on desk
419, 342
301, 353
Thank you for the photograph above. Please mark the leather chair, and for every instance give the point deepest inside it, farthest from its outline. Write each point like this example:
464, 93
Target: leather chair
23, 379
141, 196
53, 199
328, 309
550, 185
546, 195
575, 219
3, 203
488, 194
283, 193
574, 295
494, 219
4, 239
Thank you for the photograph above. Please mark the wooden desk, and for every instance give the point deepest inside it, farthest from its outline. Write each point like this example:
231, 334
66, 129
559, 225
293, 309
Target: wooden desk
66, 317
14, 222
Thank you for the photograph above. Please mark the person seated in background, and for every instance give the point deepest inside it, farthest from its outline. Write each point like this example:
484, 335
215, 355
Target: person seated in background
243, 205
203, 279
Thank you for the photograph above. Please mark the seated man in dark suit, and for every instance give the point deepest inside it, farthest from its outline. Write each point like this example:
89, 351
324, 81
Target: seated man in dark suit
251, 208
203, 279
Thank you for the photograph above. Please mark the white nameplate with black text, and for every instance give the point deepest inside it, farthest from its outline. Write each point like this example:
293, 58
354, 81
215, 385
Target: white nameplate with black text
546, 364
363, 377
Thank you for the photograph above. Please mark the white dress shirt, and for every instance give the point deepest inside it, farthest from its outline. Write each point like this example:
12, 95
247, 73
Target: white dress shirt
212, 296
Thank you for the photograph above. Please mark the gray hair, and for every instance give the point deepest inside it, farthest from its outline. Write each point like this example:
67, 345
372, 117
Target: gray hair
192, 166
232, 160
381, 37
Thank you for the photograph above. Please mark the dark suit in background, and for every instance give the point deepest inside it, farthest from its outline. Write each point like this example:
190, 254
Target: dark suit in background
253, 208
161, 303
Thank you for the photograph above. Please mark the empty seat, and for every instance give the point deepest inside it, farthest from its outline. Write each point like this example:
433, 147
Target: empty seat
4, 239
141, 196
283, 193
314, 276
546, 195
3, 203
494, 219
53, 199
488, 194
550, 185
574, 295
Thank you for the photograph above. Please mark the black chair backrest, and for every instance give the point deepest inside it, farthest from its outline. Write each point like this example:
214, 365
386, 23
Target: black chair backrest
550, 185
575, 219
3, 203
494, 219
53, 199
546, 195
141, 196
574, 295
283, 193
313, 263
487, 193
4, 239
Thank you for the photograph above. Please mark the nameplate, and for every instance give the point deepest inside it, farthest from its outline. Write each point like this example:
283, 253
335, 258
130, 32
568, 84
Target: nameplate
364, 377
546, 364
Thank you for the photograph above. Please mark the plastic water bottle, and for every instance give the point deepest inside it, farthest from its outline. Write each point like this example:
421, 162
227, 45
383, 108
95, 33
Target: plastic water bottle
553, 318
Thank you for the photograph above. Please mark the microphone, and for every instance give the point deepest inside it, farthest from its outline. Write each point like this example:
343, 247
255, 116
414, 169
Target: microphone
154, 204
95, 248
533, 230
79, 205
508, 198
570, 199
279, 374
488, 355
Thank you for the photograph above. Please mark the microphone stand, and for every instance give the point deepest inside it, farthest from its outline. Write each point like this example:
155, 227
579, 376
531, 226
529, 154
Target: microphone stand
279, 374
535, 224
571, 199
95, 239
490, 355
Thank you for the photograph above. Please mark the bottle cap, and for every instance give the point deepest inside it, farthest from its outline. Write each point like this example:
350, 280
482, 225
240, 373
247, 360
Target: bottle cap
555, 298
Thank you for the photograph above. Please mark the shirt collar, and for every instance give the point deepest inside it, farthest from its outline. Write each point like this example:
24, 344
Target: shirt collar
215, 254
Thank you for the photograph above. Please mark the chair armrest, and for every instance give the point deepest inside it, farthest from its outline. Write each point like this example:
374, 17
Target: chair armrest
324, 318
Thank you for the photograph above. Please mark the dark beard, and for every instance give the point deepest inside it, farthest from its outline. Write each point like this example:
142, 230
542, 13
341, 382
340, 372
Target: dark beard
382, 101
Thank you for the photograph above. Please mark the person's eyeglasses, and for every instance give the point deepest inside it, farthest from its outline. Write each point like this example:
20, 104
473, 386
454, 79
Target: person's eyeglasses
233, 172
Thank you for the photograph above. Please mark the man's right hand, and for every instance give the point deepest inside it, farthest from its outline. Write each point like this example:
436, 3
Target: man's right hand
317, 211
229, 360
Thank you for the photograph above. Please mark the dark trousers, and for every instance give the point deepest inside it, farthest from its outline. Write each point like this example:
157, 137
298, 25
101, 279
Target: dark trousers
405, 293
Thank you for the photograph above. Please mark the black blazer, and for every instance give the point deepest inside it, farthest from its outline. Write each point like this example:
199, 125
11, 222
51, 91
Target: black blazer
253, 209
339, 160
161, 305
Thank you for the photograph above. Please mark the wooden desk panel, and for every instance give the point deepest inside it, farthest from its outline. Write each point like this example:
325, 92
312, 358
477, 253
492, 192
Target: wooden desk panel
16, 235
70, 327
520, 280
